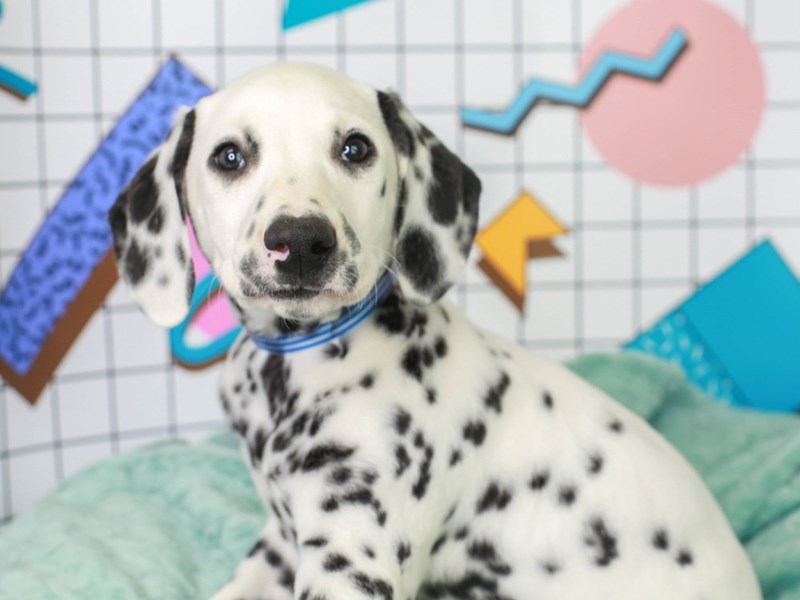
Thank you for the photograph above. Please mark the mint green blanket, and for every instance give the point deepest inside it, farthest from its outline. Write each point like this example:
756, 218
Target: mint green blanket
173, 521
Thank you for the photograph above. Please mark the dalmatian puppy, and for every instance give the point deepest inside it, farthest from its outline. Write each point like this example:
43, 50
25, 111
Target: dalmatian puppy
403, 453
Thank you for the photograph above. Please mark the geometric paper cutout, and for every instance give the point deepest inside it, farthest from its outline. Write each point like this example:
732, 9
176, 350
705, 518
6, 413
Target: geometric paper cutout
737, 336
72, 250
524, 230
210, 328
14, 83
701, 118
298, 12
580, 95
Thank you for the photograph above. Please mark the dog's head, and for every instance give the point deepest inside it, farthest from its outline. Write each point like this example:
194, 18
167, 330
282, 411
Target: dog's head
303, 187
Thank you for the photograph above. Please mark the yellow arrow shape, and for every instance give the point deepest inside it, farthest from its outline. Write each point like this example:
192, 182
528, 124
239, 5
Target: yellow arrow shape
520, 232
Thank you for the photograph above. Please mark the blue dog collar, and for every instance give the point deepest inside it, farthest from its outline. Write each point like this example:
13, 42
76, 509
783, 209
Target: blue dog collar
349, 317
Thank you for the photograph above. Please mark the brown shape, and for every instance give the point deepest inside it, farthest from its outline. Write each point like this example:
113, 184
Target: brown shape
65, 331
536, 249
13, 92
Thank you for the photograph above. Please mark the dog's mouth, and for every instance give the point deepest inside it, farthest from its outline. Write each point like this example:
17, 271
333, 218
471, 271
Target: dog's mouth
295, 293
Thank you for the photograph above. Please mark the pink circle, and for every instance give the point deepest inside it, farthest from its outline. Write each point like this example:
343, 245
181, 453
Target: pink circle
700, 117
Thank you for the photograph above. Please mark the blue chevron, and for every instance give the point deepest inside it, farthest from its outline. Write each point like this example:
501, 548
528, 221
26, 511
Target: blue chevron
581, 95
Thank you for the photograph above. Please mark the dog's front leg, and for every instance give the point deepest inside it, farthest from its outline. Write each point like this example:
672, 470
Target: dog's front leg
267, 573
341, 567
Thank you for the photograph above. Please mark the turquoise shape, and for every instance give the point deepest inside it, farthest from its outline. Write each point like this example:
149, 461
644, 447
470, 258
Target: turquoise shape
14, 82
737, 336
298, 12
216, 348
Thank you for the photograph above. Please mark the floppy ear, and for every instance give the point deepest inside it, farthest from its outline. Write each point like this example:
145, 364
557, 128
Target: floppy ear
151, 241
437, 206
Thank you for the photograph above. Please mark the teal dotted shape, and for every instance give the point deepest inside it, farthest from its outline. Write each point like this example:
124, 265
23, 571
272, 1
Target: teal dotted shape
674, 340
746, 322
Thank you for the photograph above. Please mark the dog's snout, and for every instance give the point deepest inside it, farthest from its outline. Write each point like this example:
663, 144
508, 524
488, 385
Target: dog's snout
303, 244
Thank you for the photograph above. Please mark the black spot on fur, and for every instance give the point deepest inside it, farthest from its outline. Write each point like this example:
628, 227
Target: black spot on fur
156, 221
260, 545
485, 552
390, 315
494, 396
402, 459
567, 494
430, 395
475, 432
684, 558
420, 260
472, 585
412, 362
352, 238
661, 539
341, 475
547, 400
337, 349
461, 533
403, 552
551, 567
324, 454
257, 447
455, 457
383, 189
330, 504
602, 541
494, 497
616, 426
367, 381
402, 421
402, 201
372, 587
370, 553
595, 464
358, 496
440, 347
400, 133
136, 263
142, 193
315, 542
118, 220
287, 579
273, 558
335, 562
181, 158
424, 478
437, 545
445, 189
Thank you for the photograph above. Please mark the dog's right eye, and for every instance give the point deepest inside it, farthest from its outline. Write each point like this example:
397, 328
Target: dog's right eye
229, 158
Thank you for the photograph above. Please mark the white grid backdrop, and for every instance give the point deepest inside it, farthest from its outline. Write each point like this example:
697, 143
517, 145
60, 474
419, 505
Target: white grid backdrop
633, 251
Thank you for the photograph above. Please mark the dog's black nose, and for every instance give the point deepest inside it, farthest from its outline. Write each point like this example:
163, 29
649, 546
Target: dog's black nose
301, 245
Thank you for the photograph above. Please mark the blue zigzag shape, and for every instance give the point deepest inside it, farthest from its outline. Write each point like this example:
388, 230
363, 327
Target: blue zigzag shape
610, 62
14, 82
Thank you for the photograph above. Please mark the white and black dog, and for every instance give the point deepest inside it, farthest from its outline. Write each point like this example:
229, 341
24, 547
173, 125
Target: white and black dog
403, 452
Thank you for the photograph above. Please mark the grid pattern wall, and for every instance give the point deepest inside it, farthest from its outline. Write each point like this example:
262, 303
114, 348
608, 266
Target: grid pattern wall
632, 252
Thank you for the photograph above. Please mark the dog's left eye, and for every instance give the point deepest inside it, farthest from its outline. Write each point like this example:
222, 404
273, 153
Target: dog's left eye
356, 148
229, 158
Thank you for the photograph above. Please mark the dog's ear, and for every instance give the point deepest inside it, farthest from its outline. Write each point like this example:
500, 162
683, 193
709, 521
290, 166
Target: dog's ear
437, 207
151, 241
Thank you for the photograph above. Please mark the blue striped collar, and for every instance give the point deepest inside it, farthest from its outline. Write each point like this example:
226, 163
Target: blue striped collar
349, 317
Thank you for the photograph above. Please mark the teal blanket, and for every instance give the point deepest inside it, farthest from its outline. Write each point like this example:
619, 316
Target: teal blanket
173, 521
